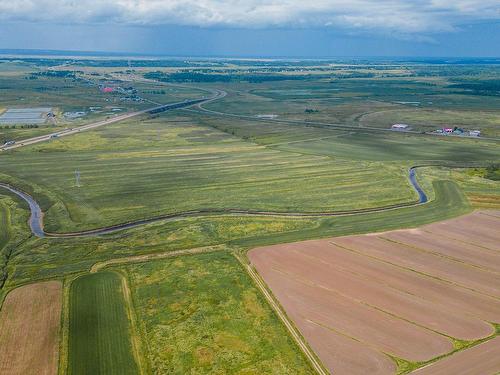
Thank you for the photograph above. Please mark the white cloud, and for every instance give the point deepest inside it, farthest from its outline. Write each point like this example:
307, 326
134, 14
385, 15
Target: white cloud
404, 17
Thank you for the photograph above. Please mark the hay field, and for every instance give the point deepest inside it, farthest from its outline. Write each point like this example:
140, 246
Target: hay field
140, 169
400, 298
29, 330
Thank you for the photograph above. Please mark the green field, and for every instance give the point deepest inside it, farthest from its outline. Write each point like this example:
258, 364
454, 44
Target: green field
13, 232
357, 145
99, 328
201, 314
47, 258
140, 169
5, 234
481, 191
449, 202
4, 224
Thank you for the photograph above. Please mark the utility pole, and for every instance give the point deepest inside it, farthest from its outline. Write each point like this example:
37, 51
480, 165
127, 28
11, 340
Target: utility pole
77, 178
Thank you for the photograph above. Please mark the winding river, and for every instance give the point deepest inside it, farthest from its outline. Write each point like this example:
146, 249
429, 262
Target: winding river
36, 218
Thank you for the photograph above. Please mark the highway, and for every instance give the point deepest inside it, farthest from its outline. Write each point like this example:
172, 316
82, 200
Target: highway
216, 94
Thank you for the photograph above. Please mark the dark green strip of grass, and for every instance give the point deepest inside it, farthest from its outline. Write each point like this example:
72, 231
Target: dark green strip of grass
4, 225
99, 331
5, 229
449, 202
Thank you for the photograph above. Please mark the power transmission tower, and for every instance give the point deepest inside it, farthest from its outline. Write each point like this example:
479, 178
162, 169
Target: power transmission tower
77, 178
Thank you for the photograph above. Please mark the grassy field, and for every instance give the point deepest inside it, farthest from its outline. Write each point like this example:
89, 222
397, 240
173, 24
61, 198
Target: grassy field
13, 231
356, 145
140, 169
201, 314
99, 328
5, 235
432, 119
481, 191
449, 202
425, 103
4, 224
47, 258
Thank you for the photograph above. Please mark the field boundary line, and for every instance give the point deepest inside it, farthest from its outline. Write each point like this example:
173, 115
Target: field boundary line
422, 273
135, 336
64, 339
295, 334
147, 257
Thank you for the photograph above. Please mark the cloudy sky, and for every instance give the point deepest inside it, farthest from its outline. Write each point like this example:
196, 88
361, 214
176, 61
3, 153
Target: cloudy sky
256, 27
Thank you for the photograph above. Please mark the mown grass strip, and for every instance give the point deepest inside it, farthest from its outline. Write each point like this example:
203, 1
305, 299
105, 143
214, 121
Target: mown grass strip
99, 328
449, 202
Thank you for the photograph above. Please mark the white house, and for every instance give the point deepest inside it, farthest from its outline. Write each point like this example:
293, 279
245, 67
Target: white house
400, 127
475, 133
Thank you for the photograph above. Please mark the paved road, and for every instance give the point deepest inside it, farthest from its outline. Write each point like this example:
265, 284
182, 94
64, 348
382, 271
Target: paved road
36, 219
200, 108
216, 94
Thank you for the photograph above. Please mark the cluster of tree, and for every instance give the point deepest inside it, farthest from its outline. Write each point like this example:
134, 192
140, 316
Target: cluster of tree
27, 126
356, 75
72, 75
217, 77
493, 172
118, 63
482, 87
56, 74
155, 92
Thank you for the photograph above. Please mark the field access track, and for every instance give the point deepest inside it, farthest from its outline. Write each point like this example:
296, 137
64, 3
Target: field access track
402, 294
29, 330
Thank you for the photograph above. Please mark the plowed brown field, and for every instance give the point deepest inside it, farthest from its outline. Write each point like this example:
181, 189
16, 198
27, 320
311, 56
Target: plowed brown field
29, 330
482, 359
360, 299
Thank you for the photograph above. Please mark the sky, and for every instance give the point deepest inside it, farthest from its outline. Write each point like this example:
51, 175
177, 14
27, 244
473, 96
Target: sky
252, 28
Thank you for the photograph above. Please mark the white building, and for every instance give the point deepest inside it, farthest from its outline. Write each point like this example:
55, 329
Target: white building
475, 133
400, 127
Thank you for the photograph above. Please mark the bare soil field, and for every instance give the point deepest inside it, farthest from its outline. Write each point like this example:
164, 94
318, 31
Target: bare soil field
403, 294
29, 329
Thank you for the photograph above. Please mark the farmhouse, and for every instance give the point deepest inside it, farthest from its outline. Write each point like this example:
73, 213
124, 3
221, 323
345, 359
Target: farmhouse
107, 89
400, 127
